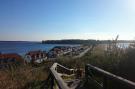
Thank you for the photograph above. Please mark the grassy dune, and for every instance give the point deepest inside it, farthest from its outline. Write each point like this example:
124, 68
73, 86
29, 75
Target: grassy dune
111, 58
114, 59
24, 77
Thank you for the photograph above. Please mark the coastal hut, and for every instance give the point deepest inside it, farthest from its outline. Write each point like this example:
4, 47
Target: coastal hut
36, 56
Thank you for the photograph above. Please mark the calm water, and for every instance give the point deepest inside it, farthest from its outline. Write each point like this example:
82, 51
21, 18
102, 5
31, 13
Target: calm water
23, 47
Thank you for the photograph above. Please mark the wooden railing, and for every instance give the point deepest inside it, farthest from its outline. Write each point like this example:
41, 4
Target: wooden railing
57, 82
106, 78
56, 79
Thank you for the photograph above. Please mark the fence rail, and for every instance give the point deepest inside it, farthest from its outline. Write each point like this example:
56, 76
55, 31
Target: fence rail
57, 80
56, 77
107, 76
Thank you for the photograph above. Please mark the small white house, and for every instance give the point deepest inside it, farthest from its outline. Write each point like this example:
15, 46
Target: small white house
36, 56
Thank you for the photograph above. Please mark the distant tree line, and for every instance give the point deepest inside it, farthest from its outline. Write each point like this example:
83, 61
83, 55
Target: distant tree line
78, 41
71, 42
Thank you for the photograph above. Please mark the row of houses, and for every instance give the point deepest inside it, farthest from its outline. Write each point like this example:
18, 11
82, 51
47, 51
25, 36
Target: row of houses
38, 56
11, 59
58, 51
66, 50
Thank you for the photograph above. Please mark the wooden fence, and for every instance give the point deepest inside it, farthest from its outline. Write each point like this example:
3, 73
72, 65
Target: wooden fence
57, 82
107, 77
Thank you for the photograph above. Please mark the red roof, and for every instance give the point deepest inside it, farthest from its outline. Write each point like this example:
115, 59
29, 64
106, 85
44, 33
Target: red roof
35, 52
12, 55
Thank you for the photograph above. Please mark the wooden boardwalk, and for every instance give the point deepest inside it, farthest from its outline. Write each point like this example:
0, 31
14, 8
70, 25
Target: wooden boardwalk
83, 53
63, 78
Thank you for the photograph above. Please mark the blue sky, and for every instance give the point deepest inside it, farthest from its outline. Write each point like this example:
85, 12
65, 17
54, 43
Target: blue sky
36, 20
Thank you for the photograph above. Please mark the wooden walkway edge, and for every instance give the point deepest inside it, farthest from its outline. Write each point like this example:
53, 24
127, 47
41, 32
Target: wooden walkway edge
57, 82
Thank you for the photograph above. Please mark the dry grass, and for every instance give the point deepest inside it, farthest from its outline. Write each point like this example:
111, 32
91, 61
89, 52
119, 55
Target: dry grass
24, 77
118, 61
114, 59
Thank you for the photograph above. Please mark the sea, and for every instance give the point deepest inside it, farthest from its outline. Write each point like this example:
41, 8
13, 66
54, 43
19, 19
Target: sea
22, 48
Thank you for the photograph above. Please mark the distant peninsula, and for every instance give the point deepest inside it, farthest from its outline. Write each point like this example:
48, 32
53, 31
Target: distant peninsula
79, 41
72, 41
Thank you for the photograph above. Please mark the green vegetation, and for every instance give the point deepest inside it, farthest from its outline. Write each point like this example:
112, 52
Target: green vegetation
72, 41
79, 41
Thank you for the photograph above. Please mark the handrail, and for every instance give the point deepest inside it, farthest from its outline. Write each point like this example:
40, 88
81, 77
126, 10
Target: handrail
88, 71
108, 75
61, 84
65, 67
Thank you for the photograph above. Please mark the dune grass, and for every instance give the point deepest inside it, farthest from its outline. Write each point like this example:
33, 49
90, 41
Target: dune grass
24, 77
111, 58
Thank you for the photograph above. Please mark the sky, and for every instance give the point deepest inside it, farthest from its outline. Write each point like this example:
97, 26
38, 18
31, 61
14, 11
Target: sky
36, 20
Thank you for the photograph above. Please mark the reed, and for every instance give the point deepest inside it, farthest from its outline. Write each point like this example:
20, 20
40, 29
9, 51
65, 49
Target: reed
110, 57
23, 77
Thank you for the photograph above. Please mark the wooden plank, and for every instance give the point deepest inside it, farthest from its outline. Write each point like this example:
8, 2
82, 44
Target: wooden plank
112, 76
59, 80
65, 67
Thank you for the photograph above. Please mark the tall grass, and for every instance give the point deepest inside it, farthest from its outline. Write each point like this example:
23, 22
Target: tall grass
23, 77
119, 61
110, 58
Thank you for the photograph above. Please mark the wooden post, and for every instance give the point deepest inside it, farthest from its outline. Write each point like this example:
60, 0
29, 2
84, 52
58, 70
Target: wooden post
104, 82
52, 82
86, 73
